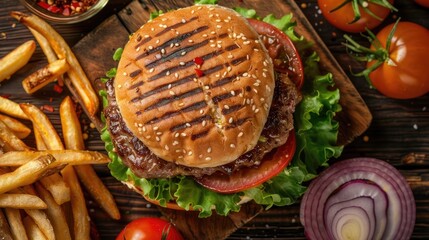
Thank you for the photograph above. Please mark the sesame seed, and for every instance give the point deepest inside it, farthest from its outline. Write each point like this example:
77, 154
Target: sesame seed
204, 123
138, 49
148, 137
190, 40
213, 32
218, 20
119, 86
155, 128
157, 41
176, 135
150, 47
208, 158
151, 70
233, 93
246, 42
219, 46
257, 110
183, 134
172, 92
163, 51
124, 73
152, 29
209, 149
211, 15
167, 73
176, 44
188, 124
212, 45
169, 86
205, 35
166, 147
157, 139
146, 36
159, 133
175, 143
230, 56
201, 111
229, 68
226, 106
181, 63
190, 153
256, 50
180, 157
232, 145
181, 104
230, 120
240, 134
183, 20
218, 26
171, 45
245, 74
144, 129
264, 74
183, 53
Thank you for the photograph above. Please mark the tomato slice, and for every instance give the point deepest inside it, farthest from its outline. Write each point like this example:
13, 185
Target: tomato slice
282, 50
147, 228
271, 165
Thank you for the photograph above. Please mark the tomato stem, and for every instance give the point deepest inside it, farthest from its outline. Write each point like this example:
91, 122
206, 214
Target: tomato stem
379, 54
357, 4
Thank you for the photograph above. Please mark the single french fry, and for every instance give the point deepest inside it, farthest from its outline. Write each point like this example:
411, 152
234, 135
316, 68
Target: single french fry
10, 141
34, 231
81, 220
5, 232
40, 144
55, 214
18, 128
26, 174
72, 134
51, 56
16, 225
16, 59
57, 187
21, 201
11, 108
43, 125
78, 77
98, 190
44, 76
72, 157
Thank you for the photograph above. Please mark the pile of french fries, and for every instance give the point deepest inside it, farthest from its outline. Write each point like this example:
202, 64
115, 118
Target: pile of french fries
41, 195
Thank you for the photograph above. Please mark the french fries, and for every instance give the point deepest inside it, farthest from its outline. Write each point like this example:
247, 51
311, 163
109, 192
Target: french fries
73, 157
18, 128
26, 174
10, 141
5, 228
44, 76
16, 59
77, 76
55, 214
41, 220
11, 108
73, 139
44, 45
21, 201
33, 230
15, 222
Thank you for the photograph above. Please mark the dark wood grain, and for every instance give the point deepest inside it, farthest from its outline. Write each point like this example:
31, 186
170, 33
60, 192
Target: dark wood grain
398, 133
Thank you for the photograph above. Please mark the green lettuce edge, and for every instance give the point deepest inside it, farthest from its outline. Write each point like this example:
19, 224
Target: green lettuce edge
316, 144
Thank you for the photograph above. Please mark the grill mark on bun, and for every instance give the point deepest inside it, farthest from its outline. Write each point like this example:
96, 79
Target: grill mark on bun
162, 87
135, 73
164, 101
238, 60
191, 123
176, 40
179, 24
237, 123
199, 135
136, 85
171, 114
232, 109
221, 97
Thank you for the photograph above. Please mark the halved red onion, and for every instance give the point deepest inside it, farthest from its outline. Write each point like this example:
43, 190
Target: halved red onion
360, 198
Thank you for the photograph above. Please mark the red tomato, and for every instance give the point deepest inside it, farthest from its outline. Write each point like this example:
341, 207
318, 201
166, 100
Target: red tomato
424, 3
281, 49
246, 178
406, 74
342, 17
147, 228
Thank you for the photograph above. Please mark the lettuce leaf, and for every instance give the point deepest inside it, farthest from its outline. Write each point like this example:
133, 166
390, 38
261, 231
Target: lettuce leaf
316, 137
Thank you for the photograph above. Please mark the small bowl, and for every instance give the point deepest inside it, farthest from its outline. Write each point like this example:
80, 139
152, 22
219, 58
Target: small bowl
58, 17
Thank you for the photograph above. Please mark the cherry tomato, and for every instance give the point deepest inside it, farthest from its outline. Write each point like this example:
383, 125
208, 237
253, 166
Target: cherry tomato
148, 228
246, 178
406, 74
281, 49
424, 3
343, 17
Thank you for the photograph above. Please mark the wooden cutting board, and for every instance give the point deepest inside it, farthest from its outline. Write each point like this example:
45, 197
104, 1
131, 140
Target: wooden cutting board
95, 53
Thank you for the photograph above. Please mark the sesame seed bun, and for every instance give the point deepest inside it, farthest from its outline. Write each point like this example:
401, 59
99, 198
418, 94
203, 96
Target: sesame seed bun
195, 86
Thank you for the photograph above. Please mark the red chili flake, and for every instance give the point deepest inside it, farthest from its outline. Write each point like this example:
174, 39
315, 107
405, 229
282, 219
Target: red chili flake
7, 96
48, 108
66, 11
54, 9
199, 61
51, 99
44, 5
58, 88
199, 72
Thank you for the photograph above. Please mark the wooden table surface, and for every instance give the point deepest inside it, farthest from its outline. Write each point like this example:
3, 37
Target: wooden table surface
399, 132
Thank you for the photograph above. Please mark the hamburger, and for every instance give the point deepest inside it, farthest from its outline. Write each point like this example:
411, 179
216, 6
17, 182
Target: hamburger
199, 107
